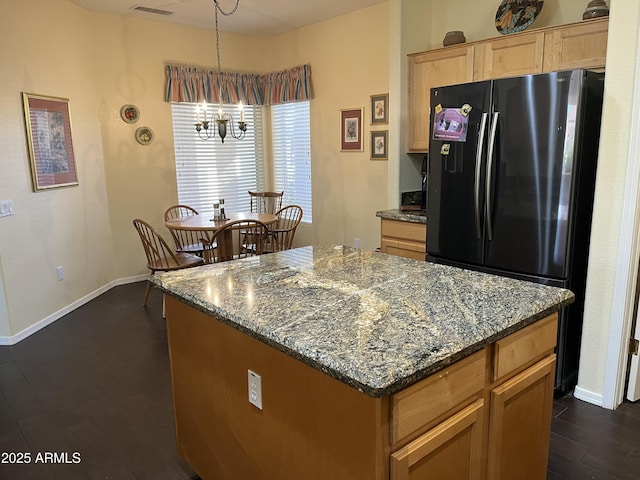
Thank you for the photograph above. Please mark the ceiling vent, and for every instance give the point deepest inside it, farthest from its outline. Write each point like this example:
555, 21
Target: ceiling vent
152, 10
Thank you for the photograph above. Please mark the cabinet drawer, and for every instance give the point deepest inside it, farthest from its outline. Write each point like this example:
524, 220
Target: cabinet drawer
524, 347
403, 248
405, 230
425, 401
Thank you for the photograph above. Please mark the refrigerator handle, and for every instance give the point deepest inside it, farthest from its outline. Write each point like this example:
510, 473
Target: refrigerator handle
479, 149
492, 143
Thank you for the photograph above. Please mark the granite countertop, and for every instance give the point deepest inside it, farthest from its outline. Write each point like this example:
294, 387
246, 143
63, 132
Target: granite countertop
374, 321
413, 216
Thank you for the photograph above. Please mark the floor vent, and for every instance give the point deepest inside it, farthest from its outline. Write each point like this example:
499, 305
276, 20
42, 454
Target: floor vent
153, 10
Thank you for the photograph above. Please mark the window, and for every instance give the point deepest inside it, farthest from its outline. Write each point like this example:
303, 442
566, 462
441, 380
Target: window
291, 143
208, 170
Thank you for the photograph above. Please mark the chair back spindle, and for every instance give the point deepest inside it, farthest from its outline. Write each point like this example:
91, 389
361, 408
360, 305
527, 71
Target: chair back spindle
237, 239
282, 232
186, 241
265, 202
160, 256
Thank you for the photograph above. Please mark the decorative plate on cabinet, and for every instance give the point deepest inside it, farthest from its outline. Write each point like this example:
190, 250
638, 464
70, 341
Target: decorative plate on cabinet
144, 135
516, 15
130, 113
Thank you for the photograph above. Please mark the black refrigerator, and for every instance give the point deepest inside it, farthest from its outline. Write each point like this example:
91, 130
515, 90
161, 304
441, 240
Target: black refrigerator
511, 177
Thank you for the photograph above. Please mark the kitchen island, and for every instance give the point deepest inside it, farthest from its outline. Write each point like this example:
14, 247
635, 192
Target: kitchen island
371, 367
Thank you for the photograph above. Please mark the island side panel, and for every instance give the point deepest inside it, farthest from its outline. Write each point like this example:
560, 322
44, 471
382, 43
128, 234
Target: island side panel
312, 426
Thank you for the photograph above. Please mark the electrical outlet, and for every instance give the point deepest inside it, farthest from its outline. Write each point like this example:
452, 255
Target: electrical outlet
356, 243
255, 389
60, 272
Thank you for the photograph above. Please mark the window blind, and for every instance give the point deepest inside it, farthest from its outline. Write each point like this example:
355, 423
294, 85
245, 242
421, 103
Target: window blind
208, 170
291, 144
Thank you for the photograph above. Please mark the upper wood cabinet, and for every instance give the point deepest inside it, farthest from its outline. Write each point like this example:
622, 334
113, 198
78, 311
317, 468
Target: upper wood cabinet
509, 56
578, 45
582, 45
433, 69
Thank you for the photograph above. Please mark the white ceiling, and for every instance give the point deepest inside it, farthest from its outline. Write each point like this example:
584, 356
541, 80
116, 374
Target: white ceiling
258, 18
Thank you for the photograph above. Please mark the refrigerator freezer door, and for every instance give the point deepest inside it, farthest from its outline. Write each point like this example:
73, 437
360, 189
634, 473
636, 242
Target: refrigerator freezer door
452, 196
533, 173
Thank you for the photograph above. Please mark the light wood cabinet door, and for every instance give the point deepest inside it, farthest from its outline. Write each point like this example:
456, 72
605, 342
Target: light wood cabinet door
582, 45
436, 68
509, 57
452, 450
404, 239
520, 424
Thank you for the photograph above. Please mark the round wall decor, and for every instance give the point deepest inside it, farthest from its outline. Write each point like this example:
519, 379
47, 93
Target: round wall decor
144, 135
515, 15
130, 113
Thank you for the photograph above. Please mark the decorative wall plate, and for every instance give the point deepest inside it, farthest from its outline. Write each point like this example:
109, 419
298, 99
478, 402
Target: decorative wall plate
516, 15
144, 135
130, 113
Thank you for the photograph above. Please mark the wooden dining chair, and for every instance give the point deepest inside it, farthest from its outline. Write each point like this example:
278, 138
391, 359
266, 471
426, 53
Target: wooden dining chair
160, 256
281, 233
231, 241
186, 241
265, 202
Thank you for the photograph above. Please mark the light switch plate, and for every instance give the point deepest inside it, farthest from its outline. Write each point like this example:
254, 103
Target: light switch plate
6, 208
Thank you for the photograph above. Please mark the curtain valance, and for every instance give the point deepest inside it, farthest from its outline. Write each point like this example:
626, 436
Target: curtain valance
193, 84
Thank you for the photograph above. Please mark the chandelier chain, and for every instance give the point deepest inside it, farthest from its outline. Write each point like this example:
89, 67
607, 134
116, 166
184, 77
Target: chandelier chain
221, 119
219, 9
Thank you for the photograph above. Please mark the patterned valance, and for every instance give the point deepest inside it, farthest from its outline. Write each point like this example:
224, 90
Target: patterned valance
193, 84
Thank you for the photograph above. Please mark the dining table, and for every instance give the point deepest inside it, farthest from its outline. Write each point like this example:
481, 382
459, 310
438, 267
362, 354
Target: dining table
208, 226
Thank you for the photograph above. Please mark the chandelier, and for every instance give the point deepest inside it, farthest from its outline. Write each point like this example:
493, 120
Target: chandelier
220, 118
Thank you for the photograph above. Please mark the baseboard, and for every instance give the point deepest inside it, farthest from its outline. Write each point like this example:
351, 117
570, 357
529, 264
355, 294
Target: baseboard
587, 396
12, 340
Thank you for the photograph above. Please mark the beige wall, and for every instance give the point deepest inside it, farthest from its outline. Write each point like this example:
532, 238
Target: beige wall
141, 180
349, 57
624, 24
44, 50
100, 62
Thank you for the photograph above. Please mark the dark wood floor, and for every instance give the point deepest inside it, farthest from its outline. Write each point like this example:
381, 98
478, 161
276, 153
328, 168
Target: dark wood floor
588, 442
97, 382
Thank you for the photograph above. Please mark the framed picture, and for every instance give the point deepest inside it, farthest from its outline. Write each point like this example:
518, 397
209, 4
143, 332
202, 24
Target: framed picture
49, 139
379, 147
379, 109
351, 130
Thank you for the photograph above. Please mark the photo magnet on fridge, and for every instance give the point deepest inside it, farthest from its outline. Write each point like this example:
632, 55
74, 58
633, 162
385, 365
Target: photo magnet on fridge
450, 124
